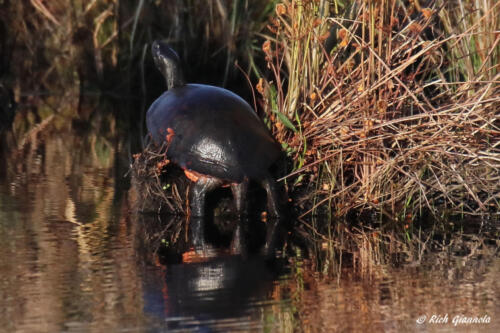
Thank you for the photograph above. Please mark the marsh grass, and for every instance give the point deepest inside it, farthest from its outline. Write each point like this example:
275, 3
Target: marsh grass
399, 118
103, 44
397, 115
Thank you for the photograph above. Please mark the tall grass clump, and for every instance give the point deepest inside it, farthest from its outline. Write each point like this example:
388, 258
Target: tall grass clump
387, 106
75, 51
104, 44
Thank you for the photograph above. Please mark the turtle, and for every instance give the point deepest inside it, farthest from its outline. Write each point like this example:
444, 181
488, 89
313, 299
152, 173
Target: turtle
213, 135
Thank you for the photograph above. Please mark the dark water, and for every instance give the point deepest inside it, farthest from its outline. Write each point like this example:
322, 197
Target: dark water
76, 256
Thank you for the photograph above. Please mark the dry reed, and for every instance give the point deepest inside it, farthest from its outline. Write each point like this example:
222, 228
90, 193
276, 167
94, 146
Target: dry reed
393, 119
160, 187
399, 117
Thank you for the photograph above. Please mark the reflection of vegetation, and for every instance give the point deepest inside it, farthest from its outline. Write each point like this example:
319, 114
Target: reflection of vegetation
103, 151
71, 242
379, 278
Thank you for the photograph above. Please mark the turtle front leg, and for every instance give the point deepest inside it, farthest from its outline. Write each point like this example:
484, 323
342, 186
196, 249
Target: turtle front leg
198, 192
199, 189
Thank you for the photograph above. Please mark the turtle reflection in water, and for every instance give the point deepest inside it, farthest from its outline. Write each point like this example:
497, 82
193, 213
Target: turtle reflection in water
213, 135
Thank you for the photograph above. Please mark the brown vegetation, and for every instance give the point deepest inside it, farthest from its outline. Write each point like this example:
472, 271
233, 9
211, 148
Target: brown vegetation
400, 117
386, 106
158, 186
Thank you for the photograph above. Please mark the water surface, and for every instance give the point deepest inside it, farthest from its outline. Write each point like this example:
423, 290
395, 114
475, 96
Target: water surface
77, 256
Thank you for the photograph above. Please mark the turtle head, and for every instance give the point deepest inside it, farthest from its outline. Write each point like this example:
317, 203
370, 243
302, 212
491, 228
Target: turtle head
168, 63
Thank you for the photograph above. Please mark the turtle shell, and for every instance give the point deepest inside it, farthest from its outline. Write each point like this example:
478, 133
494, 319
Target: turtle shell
212, 131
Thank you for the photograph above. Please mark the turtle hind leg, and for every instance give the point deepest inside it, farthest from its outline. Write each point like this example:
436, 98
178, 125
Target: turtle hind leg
273, 206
